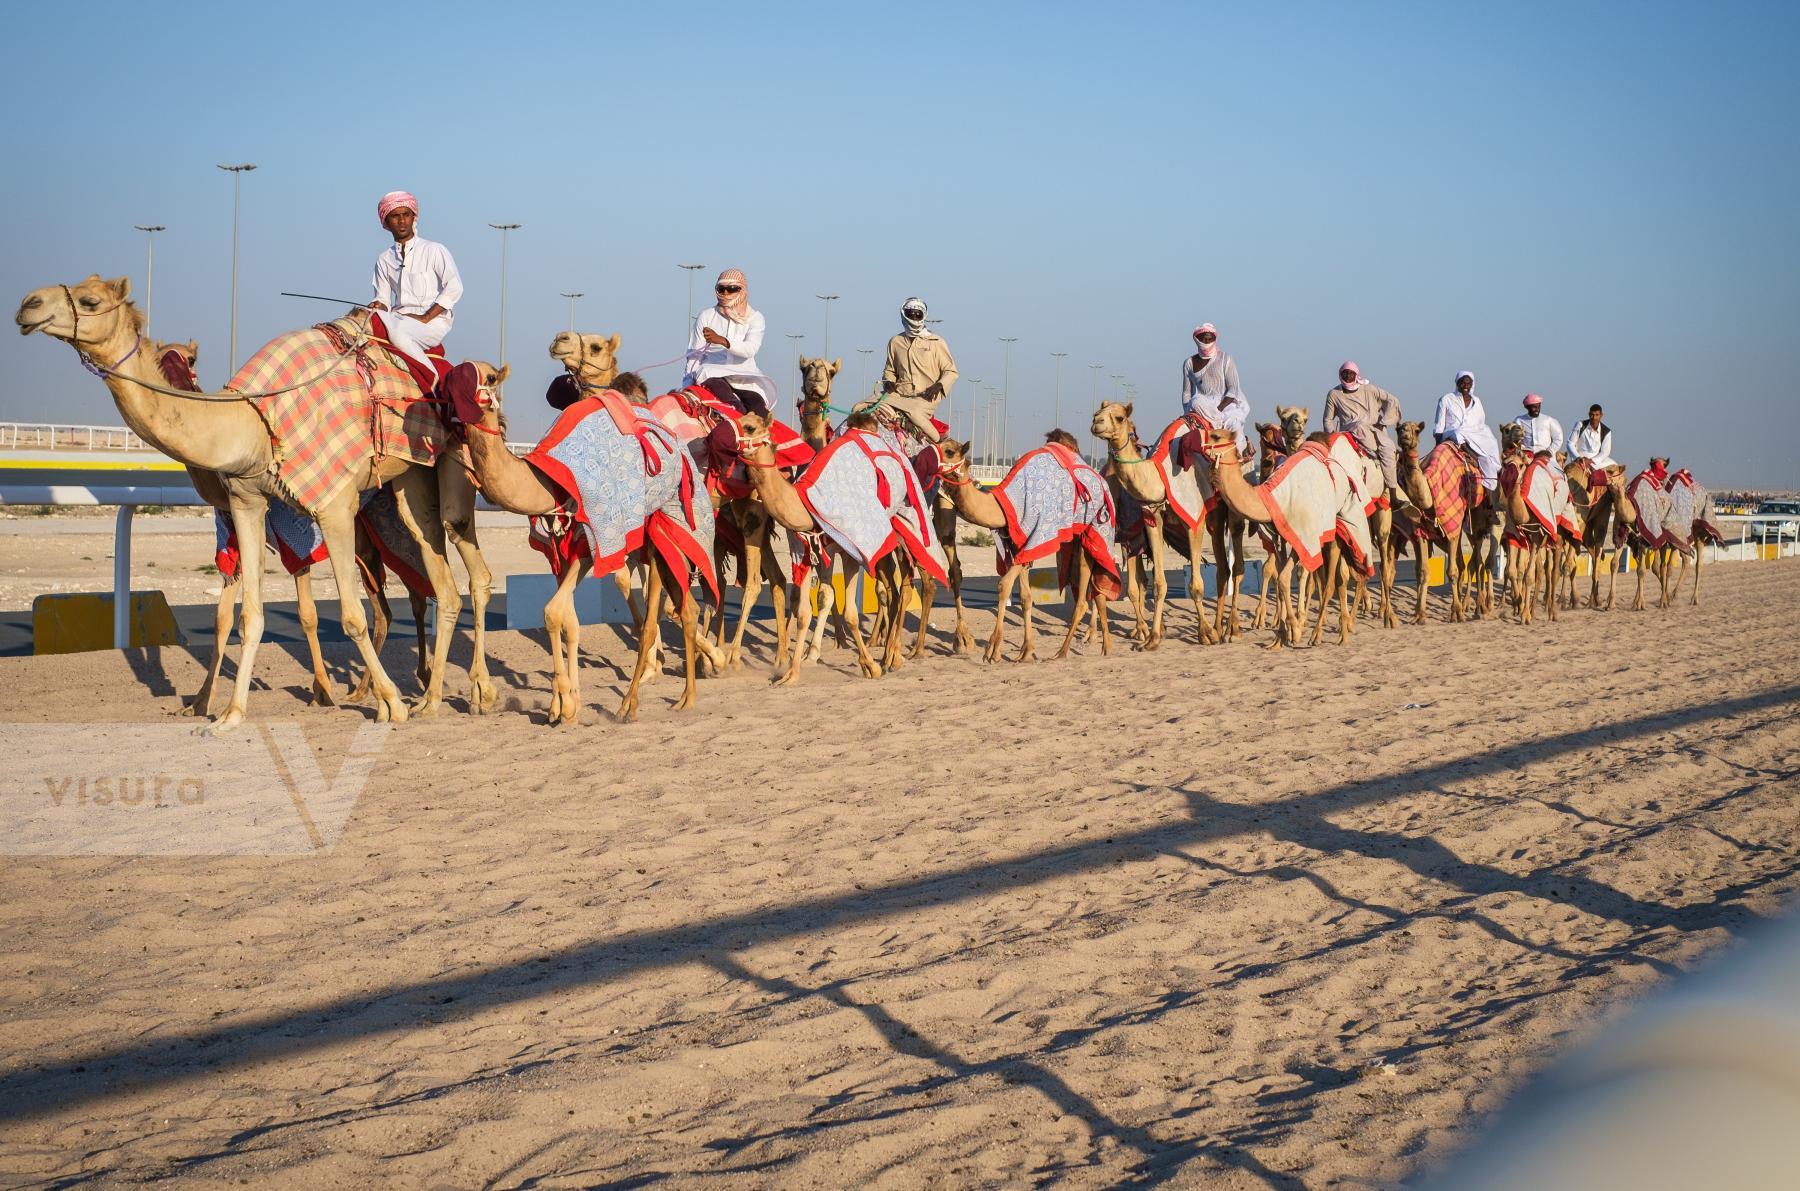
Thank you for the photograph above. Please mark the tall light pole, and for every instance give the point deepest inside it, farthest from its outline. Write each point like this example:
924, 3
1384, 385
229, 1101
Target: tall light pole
796, 339
237, 173
1116, 377
828, 299
1095, 393
974, 388
149, 230
1006, 397
571, 298
690, 272
503, 229
1059, 359
865, 353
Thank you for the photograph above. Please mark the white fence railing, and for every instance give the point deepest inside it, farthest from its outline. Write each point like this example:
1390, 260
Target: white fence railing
60, 435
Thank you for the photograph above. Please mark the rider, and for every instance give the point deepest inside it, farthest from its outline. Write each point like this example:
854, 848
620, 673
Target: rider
1462, 420
725, 340
919, 371
1210, 389
415, 279
1593, 441
1368, 413
1542, 434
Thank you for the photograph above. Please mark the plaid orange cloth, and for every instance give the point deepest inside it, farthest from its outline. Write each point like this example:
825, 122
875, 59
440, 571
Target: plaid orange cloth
1452, 479
326, 434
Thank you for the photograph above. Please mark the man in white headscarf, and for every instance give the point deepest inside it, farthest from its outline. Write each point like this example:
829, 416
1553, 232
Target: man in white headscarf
415, 282
726, 338
1462, 420
1368, 413
919, 371
1210, 389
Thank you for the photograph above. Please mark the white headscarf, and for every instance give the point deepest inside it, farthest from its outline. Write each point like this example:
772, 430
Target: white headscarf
1456, 387
1207, 350
1357, 379
914, 327
737, 308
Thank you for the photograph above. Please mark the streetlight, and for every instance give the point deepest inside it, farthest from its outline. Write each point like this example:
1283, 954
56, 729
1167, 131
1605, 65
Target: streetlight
503, 229
1059, 359
1095, 393
974, 385
149, 230
796, 339
828, 299
690, 269
865, 353
571, 298
1006, 397
237, 173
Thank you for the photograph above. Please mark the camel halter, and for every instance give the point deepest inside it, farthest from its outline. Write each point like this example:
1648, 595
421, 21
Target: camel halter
751, 444
484, 397
946, 471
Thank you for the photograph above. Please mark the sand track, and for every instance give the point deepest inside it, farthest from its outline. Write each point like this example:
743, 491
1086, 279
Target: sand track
1203, 916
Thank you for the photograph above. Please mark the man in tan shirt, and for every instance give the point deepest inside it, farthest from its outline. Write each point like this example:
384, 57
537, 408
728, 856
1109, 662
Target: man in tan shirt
1368, 413
919, 370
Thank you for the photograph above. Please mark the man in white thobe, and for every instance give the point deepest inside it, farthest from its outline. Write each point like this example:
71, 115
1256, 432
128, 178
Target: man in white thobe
415, 281
1541, 433
1462, 420
1593, 440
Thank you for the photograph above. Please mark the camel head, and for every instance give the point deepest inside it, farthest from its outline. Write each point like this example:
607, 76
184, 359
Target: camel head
84, 315
1112, 423
815, 379
177, 362
1293, 424
951, 454
1271, 438
1512, 439
590, 359
488, 380
1408, 437
1221, 448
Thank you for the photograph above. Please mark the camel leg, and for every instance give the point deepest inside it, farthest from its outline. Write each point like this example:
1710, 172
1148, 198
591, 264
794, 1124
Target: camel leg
853, 623
309, 626
890, 581
415, 493
778, 594
997, 639
927, 597
803, 611
461, 532
1236, 528
1422, 561
648, 633
1641, 558
201, 703
1159, 587
1347, 617
1553, 563
690, 615
1076, 615
1327, 578
248, 509
755, 526
337, 522
1029, 636
563, 628
1699, 552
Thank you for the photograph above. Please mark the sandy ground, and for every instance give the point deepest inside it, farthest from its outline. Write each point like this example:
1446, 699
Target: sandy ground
1204, 917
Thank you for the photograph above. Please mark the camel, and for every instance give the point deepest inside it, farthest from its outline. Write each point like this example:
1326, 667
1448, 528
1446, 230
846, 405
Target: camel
225, 433
985, 510
1278, 441
1691, 511
519, 486
1598, 510
1474, 525
790, 510
1144, 481
815, 399
1315, 491
1540, 527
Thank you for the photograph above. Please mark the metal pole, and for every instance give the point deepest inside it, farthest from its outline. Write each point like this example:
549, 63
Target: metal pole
796, 339
503, 229
1006, 398
571, 298
1059, 359
149, 231
865, 353
974, 384
122, 578
828, 299
690, 272
1094, 394
237, 173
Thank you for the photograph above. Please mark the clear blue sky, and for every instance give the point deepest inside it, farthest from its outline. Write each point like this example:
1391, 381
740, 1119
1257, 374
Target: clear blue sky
1592, 202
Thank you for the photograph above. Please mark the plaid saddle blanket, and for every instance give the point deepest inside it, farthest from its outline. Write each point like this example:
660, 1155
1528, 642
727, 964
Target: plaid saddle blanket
297, 541
359, 405
1453, 481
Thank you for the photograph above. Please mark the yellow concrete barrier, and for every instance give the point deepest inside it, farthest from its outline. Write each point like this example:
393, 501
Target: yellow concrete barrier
866, 594
79, 621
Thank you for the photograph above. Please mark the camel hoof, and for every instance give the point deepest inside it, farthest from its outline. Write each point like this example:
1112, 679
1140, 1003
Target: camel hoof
483, 697
685, 703
228, 722
783, 678
192, 709
965, 641
321, 695
871, 669
426, 706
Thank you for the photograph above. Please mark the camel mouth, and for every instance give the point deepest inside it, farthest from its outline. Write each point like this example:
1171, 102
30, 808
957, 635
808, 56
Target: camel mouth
27, 328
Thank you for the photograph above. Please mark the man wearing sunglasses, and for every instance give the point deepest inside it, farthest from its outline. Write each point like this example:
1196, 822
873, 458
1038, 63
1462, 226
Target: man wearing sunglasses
726, 338
919, 370
1210, 391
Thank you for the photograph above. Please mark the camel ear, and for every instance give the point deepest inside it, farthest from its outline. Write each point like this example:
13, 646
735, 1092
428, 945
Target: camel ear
837, 364
613, 344
1128, 406
121, 287
193, 349
803, 362
506, 370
